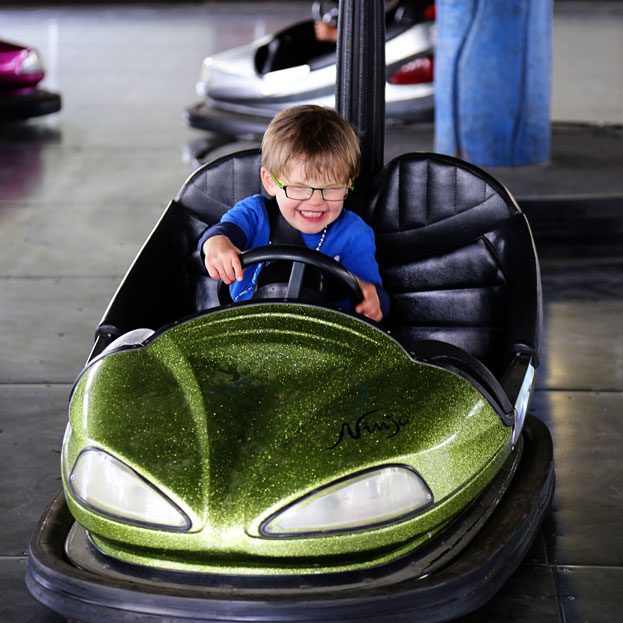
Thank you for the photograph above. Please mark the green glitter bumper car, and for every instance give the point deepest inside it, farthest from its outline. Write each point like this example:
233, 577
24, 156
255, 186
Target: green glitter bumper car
284, 459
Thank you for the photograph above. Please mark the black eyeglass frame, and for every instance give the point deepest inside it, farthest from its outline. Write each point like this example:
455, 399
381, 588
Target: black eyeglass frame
311, 190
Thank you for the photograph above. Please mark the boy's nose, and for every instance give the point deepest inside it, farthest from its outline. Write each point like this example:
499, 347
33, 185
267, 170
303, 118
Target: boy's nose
316, 196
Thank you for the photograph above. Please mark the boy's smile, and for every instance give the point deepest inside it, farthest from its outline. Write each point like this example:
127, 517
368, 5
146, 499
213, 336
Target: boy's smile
309, 216
312, 217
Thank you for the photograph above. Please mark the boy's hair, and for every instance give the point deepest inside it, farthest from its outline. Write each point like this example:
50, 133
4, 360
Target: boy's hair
316, 137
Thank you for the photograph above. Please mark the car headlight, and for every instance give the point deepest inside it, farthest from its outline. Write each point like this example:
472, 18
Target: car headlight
108, 486
31, 63
375, 497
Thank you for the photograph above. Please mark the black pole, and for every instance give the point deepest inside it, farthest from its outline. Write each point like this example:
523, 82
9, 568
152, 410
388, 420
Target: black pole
360, 87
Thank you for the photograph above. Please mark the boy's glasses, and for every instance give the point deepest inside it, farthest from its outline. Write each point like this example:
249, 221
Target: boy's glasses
303, 193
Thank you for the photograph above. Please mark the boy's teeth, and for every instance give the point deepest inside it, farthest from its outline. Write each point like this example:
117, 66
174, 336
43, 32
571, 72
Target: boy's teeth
311, 214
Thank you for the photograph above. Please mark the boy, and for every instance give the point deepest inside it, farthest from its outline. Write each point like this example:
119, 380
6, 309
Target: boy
310, 158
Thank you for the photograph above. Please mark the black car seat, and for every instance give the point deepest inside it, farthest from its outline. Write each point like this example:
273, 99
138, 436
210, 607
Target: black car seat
456, 256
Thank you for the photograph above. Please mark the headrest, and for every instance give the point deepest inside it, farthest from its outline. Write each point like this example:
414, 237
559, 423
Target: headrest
424, 203
216, 186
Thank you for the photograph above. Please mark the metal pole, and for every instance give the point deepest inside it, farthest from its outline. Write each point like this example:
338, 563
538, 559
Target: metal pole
360, 87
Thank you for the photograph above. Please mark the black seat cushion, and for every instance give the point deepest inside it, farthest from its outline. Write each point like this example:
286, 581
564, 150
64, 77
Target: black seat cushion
444, 232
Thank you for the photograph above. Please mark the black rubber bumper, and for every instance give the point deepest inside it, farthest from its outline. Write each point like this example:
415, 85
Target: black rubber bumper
36, 104
203, 116
207, 116
465, 583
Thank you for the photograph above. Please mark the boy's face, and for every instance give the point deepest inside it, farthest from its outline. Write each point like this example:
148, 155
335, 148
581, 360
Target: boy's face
312, 215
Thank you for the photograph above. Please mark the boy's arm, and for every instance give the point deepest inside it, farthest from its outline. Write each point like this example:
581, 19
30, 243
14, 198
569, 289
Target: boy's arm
359, 257
237, 227
371, 304
220, 246
221, 259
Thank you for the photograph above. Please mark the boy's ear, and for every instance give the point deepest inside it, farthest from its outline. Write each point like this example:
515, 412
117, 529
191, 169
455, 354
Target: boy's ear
268, 182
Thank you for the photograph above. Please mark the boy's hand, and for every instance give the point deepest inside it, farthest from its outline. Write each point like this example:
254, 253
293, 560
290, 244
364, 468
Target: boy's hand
371, 305
221, 259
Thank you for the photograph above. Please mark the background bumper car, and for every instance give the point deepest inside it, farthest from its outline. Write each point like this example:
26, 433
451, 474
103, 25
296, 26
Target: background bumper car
21, 71
243, 88
286, 460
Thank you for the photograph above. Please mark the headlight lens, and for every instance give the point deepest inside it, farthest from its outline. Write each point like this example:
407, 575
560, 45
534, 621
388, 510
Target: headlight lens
375, 497
31, 64
112, 488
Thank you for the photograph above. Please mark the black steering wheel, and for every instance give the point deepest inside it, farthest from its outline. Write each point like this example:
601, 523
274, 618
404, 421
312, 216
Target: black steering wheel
300, 258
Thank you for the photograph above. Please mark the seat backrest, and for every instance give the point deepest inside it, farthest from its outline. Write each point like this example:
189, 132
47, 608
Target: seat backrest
215, 187
456, 256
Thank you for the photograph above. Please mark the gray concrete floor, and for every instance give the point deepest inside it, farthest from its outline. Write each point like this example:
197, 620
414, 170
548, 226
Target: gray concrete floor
80, 191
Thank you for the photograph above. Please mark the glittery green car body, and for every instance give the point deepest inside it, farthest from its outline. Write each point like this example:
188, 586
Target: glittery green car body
237, 415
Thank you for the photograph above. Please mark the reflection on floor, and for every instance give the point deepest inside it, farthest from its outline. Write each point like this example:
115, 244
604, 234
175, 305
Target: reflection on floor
80, 191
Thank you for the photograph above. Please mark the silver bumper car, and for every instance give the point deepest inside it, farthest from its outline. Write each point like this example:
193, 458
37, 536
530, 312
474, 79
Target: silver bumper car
244, 87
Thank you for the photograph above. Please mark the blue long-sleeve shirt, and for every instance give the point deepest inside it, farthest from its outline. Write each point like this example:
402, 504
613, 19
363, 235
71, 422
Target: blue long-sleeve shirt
349, 240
